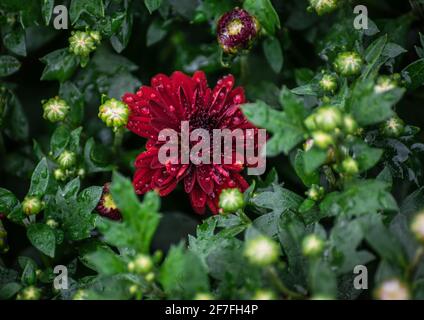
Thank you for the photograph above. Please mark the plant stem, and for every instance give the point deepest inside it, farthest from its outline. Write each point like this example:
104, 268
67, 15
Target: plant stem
272, 272
244, 68
244, 217
117, 140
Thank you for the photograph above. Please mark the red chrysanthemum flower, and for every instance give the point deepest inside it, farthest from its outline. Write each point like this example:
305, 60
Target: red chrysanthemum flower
164, 105
106, 206
236, 30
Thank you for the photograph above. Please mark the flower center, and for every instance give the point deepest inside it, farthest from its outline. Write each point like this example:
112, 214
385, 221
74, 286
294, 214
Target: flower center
234, 27
109, 203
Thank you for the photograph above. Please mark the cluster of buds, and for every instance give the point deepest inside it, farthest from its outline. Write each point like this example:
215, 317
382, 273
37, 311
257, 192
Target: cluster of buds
312, 245
67, 166
322, 7
55, 109
231, 200
141, 264
315, 192
106, 206
328, 127
261, 251
82, 43
392, 289
114, 113
237, 31
348, 64
29, 293
32, 205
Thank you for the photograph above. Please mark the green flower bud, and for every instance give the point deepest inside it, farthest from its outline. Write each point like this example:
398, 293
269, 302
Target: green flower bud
348, 64
328, 83
322, 7
315, 192
81, 43
417, 227
203, 296
67, 159
52, 223
231, 200
264, 295
80, 295
393, 128
312, 245
114, 113
261, 251
310, 122
309, 143
96, 36
29, 293
350, 125
134, 289
350, 166
385, 84
328, 118
32, 205
141, 264
392, 289
150, 277
81, 172
55, 109
322, 139
59, 174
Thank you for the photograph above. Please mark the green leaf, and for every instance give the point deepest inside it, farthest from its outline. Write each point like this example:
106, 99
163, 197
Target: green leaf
370, 107
360, 198
120, 40
59, 141
155, 33
8, 65
313, 159
104, 261
273, 53
278, 200
14, 40
75, 99
9, 290
140, 220
47, 10
152, 5
373, 56
92, 163
367, 157
287, 126
73, 210
415, 74
60, 65
16, 122
40, 179
182, 274
42, 237
382, 240
265, 13
94, 8
322, 279
29, 268
308, 178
